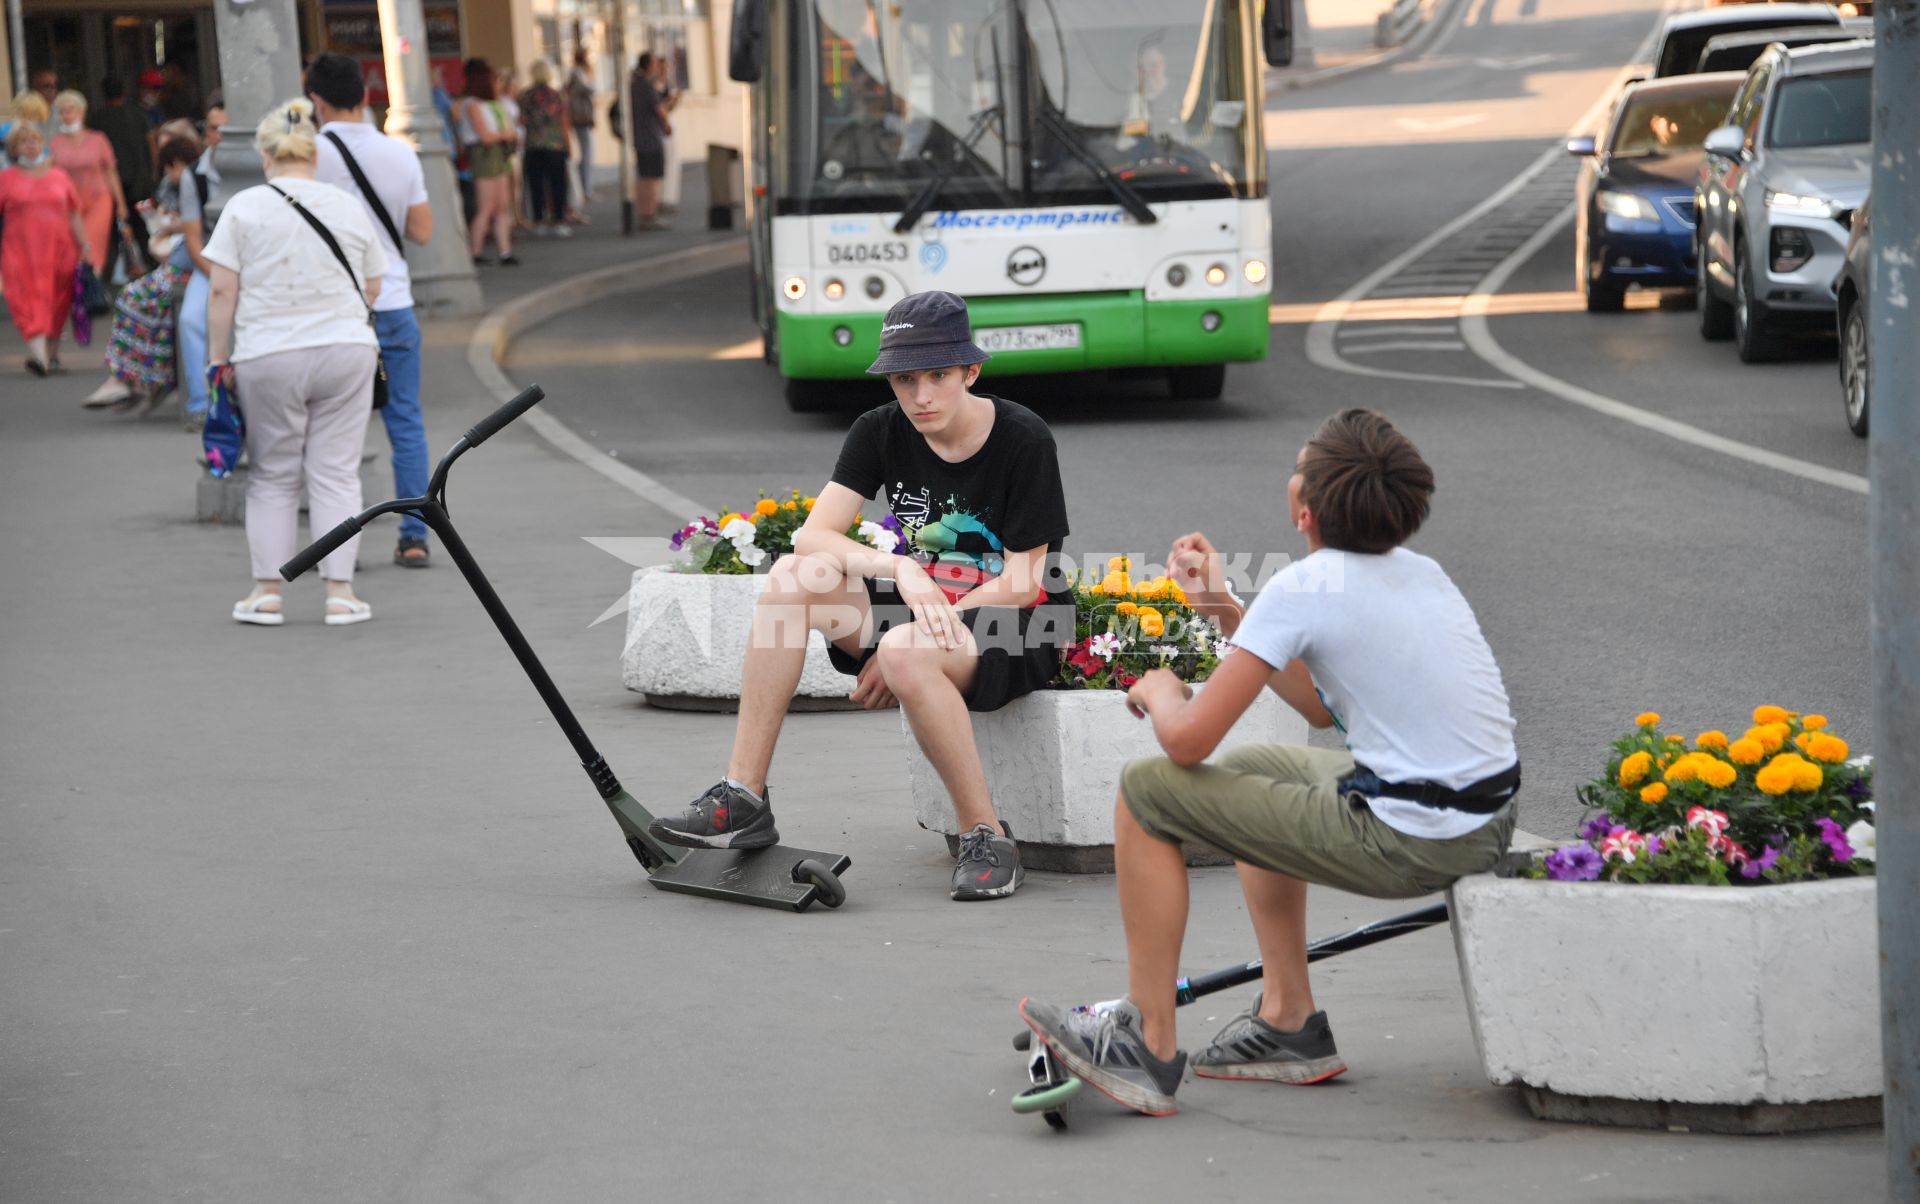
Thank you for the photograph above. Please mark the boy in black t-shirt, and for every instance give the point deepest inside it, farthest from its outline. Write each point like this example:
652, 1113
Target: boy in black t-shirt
966, 614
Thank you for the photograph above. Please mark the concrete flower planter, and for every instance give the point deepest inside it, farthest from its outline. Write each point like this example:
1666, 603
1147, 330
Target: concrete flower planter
687, 639
1728, 1009
1053, 762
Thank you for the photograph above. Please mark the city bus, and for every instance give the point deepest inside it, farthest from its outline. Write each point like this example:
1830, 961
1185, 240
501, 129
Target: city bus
1089, 174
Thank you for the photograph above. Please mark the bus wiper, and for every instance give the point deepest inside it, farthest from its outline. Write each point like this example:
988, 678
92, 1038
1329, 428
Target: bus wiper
917, 208
1121, 190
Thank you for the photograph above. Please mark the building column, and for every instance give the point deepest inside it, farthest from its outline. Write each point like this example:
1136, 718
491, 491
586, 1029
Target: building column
259, 68
444, 284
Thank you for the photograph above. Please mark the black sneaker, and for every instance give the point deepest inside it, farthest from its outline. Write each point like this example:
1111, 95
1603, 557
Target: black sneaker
1250, 1048
989, 865
722, 818
1102, 1045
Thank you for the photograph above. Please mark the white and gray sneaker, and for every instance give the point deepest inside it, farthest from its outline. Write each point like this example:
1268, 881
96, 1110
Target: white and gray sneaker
988, 867
1250, 1048
1102, 1045
725, 817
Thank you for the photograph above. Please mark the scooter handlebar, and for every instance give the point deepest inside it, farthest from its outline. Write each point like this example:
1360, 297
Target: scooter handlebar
318, 550
491, 425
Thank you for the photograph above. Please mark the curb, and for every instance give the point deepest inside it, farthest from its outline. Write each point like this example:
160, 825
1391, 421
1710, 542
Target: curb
1437, 23
500, 327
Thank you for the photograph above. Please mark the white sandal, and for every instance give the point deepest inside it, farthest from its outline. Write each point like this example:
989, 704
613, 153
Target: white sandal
247, 610
356, 612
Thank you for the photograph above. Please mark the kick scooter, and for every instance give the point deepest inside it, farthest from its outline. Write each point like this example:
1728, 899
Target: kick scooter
1054, 1086
778, 876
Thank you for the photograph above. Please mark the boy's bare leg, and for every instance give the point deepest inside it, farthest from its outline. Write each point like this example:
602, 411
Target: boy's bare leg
1278, 907
1152, 876
931, 685
802, 594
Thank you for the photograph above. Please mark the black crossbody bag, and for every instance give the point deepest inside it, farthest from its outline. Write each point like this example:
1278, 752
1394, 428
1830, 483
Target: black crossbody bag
379, 361
366, 190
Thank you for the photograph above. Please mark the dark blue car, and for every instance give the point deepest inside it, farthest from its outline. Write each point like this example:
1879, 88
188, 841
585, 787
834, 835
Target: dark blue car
1636, 190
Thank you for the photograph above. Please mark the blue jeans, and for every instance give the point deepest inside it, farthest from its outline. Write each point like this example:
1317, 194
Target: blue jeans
190, 343
399, 337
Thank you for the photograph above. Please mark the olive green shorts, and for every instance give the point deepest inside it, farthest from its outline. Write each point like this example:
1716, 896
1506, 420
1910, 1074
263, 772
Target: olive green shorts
1277, 806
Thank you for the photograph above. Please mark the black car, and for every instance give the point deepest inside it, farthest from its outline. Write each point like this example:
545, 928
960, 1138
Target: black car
1686, 34
1854, 318
1738, 51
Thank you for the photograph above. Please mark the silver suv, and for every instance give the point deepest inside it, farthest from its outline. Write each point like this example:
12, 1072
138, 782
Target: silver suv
1777, 193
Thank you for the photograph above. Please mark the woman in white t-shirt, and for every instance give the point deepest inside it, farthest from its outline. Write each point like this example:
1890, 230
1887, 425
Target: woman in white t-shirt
289, 328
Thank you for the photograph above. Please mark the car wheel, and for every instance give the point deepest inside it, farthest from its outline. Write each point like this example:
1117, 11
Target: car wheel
1751, 337
1604, 296
1716, 316
1854, 366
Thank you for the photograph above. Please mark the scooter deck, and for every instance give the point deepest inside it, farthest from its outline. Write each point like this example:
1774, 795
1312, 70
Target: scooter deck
762, 877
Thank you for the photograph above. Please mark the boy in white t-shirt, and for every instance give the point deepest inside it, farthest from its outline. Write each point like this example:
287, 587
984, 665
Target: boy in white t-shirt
1362, 634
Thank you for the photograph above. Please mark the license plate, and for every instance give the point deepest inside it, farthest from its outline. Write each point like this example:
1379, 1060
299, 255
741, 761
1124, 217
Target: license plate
1062, 337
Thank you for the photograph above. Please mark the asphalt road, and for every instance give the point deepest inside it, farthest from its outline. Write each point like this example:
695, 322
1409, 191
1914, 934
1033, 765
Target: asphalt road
1613, 570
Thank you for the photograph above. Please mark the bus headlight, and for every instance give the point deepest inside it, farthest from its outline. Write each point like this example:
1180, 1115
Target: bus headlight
875, 286
794, 287
1210, 321
834, 290
1256, 271
1217, 274
1177, 275
842, 336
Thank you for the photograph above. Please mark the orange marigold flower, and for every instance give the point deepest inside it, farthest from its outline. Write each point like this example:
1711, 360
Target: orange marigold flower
1831, 749
1770, 736
1763, 715
1647, 719
1713, 741
765, 505
1774, 778
1634, 768
1813, 723
1655, 792
1807, 775
1683, 770
1126, 608
1717, 773
1746, 751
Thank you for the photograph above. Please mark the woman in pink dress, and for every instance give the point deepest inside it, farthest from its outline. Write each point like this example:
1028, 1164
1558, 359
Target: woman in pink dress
41, 241
87, 158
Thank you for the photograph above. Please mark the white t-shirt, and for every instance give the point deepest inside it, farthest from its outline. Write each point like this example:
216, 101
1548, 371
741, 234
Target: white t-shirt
393, 168
1400, 662
293, 292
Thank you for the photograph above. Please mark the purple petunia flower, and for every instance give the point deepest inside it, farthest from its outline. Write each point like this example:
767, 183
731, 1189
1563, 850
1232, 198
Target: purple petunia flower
1574, 863
1836, 838
1597, 827
1655, 844
1761, 864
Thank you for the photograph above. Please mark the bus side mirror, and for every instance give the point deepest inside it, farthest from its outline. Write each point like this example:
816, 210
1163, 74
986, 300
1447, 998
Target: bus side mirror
747, 53
1276, 32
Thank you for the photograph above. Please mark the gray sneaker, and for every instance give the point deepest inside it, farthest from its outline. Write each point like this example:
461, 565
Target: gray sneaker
722, 818
988, 867
1250, 1048
1103, 1046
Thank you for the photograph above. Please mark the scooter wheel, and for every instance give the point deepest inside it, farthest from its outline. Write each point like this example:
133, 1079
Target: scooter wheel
1057, 1119
1048, 1097
1023, 1040
832, 891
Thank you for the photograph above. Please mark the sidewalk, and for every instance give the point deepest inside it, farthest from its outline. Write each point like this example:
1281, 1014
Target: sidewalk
319, 913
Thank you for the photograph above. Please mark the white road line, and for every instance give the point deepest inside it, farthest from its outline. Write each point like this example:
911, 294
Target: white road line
1474, 328
1409, 345
1355, 332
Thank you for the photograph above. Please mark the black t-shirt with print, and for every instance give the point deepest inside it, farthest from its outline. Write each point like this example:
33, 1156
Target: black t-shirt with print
960, 519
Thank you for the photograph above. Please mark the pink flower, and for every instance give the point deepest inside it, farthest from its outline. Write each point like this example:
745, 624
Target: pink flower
1735, 855
1711, 822
1624, 845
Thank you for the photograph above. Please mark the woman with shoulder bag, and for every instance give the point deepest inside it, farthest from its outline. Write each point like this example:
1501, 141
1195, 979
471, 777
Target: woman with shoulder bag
288, 330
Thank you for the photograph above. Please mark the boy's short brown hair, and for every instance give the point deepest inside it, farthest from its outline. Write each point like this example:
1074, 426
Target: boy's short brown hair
1365, 483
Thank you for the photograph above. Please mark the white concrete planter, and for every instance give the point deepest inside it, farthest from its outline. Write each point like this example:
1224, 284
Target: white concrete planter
687, 639
1053, 762
1743, 1009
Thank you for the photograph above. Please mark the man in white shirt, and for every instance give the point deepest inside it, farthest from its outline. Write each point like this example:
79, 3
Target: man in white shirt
1361, 634
395, 195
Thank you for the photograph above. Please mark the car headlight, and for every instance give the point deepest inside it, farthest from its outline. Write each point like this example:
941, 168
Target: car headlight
1631, 206
1793, 202
1791, 249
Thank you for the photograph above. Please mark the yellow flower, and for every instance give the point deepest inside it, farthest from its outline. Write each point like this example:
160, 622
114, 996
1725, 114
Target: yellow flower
1746, 751
1683, 770
765, 506
727, 518
1822, 747
1769, 714
1114, 584
1152, 624
1807, 775
806, 503
1126, 608
1654, 793
1775, 778
1647, 719
1814, 723
1717, 773
1119, 564
1771, 736
1713, 741
791, 506
1179, 595
1634, 769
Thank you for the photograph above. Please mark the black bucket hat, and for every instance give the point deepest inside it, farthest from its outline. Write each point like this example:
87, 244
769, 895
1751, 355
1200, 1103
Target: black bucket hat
926, 330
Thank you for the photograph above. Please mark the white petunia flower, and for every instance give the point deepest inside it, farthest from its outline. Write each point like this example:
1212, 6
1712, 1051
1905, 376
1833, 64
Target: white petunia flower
1860, 836
1221, 648
1167, 651
749, 555
879, 536
740, 531
1105, 645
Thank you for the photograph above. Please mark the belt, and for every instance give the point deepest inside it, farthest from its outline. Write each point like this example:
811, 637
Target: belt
1483, 797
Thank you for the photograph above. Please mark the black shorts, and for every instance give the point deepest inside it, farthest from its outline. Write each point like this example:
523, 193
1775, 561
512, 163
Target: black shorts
1019, 649
650, 165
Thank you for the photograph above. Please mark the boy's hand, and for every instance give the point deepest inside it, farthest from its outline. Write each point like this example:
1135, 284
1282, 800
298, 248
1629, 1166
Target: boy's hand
931, 610
1195, 567
870, 689
1156, 687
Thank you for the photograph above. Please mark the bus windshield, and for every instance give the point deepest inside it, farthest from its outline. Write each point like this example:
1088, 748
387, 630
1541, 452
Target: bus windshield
986, 103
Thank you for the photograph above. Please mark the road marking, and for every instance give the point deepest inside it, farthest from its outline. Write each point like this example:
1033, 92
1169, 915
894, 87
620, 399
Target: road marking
1409, 345
1421, 125
1518, 62
1474, 328
1390, 330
